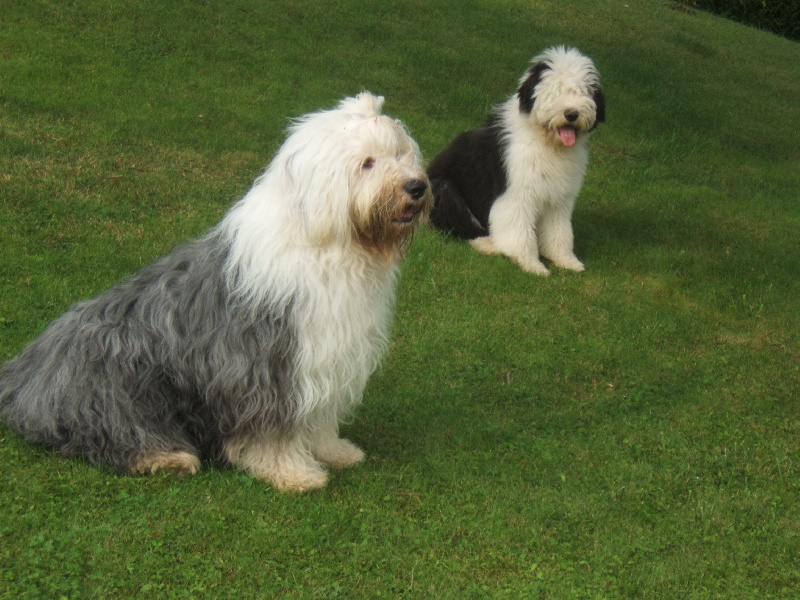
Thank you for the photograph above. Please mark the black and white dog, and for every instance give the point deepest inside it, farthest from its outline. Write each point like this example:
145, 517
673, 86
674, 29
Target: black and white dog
510, 187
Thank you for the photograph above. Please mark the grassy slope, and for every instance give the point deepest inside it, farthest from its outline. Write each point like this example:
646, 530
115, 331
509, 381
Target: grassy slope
629, 431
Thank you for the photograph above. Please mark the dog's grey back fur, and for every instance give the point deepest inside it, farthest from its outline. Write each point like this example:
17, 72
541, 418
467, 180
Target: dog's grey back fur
168, 361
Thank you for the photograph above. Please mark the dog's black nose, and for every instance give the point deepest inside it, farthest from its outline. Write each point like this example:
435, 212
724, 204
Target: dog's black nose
571, 115
416, 188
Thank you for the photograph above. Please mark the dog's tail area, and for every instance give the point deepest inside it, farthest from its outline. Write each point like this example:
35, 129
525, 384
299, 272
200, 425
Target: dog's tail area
23, 412
58, 394
451, 214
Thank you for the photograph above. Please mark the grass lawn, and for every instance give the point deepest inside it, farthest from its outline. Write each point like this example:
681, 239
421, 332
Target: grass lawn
628, 432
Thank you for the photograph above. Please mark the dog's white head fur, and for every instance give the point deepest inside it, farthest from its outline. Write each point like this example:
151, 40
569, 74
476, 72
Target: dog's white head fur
561, 94
347, 181
350, 175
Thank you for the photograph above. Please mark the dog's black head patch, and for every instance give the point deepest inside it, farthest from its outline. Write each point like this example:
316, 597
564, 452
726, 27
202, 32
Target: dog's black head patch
527, 88
600, 102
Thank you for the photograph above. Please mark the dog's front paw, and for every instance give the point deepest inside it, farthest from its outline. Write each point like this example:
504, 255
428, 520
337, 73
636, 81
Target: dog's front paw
570, 262
484, 245
296, 479
534, 266
339, 453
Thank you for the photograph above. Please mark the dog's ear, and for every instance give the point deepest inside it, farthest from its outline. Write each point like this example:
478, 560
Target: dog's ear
600, 102
528, 86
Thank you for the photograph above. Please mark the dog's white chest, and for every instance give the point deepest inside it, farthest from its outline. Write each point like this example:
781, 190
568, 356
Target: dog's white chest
343, 328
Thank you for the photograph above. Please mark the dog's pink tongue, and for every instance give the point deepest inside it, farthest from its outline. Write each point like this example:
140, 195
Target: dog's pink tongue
568, 135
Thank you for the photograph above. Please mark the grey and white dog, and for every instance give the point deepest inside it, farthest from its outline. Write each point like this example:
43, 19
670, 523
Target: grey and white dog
251, 344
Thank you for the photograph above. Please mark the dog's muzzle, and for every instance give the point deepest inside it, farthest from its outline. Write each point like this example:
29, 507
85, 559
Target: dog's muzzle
416, 189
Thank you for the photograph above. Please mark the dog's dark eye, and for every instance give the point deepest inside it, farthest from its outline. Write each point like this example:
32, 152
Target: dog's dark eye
368, 163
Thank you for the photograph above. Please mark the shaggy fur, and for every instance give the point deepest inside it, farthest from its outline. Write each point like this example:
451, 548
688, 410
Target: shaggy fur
251, 344
510, 187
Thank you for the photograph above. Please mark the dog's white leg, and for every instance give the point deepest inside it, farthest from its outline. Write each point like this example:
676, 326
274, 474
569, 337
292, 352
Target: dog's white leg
328, 447
334, 451
556, 238
512, 232
484, 245
285, 463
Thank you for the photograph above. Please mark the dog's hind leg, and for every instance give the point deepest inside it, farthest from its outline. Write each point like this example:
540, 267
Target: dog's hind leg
78, 407
451, 213
149, 450
178, 463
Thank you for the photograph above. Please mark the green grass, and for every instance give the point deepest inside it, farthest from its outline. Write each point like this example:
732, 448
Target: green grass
628, 432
